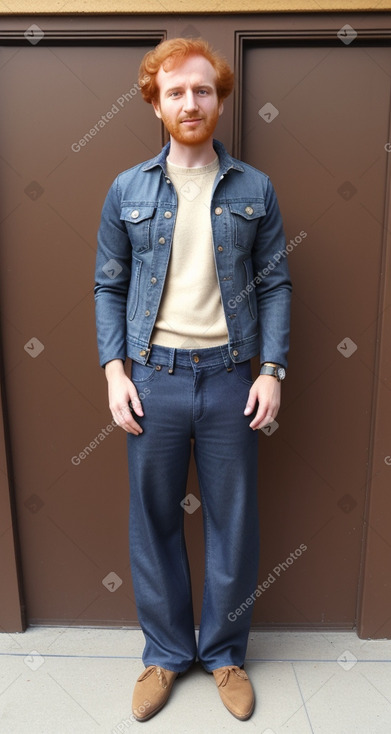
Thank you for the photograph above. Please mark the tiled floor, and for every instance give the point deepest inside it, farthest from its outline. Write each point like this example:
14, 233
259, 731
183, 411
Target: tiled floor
79, 681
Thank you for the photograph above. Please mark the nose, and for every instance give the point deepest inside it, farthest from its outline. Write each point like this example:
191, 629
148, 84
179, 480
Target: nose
190, 101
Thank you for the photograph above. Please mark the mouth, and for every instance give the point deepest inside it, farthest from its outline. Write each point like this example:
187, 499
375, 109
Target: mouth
191, 120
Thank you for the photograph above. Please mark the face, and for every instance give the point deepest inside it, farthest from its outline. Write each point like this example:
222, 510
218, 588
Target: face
188, 103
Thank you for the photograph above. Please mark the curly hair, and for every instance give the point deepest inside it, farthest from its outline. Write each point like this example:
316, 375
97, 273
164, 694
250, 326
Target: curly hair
171, 53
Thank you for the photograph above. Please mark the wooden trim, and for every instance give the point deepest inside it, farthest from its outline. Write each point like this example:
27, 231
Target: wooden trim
85, 36
374, 597
132, 7
12, 611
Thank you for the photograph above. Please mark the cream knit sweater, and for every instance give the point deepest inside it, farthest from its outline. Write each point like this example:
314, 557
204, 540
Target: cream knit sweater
191, 313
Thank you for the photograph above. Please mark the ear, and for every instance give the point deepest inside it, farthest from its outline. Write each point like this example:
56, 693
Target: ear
156, 107
221, 108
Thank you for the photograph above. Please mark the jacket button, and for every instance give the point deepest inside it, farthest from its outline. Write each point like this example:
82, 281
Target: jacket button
249, 210
162, 240
218, 210
135, 213
220, 248
142, 353
235, 353
147, 313
154, 280
168, 215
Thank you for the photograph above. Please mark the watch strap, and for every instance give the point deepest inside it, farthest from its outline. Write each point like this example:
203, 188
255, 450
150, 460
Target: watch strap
273, 369
268, 369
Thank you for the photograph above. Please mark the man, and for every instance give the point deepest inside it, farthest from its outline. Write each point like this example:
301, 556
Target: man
190, 285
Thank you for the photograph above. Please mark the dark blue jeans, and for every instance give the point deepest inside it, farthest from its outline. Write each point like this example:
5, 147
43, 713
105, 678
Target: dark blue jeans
201, 395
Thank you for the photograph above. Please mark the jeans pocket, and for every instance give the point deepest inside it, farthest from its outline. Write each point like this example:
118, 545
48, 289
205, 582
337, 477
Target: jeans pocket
242, 370
142, 373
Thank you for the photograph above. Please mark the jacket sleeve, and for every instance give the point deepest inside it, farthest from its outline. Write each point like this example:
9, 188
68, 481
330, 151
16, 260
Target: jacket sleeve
112, 277
273, 284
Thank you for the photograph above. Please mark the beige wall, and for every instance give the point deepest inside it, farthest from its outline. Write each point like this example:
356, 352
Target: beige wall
79, 7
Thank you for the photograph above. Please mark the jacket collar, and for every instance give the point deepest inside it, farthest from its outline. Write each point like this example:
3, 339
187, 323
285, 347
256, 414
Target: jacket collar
226, 161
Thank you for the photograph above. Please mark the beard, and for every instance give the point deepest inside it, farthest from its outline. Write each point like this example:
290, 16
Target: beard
200, 134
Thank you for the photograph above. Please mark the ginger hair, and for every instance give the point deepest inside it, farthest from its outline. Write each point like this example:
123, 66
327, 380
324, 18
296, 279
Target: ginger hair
171, 53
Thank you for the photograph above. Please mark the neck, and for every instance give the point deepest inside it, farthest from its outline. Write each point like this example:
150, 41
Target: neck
191, 156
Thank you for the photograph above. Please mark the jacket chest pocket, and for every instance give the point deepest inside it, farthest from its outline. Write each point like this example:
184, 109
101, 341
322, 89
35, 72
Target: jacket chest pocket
246, 216
138, 221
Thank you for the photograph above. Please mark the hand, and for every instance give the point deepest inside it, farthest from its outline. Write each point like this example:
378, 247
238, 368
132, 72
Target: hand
266, 390
121, 391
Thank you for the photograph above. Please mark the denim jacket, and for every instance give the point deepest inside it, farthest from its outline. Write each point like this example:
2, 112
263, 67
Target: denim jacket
134, 244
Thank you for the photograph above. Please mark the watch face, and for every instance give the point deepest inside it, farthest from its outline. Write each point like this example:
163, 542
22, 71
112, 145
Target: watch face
281, 373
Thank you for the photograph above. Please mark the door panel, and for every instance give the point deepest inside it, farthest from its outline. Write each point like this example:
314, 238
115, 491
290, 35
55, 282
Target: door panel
70, 469
324, 151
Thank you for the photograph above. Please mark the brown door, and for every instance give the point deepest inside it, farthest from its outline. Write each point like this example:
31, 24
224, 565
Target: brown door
77, 120
309, 122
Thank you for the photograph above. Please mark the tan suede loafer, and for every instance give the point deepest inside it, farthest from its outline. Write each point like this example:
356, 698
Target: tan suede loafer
151, 691
235, 691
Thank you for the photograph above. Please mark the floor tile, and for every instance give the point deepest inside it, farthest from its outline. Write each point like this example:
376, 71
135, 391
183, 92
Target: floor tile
80, 681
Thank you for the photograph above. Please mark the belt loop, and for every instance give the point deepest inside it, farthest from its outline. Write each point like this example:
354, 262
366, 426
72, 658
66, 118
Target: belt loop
148, 351
225, 355
171, 361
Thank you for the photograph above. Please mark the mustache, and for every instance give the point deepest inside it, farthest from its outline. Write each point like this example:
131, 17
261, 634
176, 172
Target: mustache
192, 117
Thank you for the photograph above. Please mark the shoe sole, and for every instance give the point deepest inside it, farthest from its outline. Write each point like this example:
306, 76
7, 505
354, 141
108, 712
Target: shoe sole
149, 716
145, 718
237, 716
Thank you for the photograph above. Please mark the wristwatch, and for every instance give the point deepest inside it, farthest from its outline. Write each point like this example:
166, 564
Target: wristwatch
271, 368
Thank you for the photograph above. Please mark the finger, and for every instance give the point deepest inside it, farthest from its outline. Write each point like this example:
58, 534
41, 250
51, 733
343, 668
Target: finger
250, 405
262, 419
136, 404
130, 426
124, 419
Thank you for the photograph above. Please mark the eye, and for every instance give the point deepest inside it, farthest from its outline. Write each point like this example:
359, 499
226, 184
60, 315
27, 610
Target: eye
203, 92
